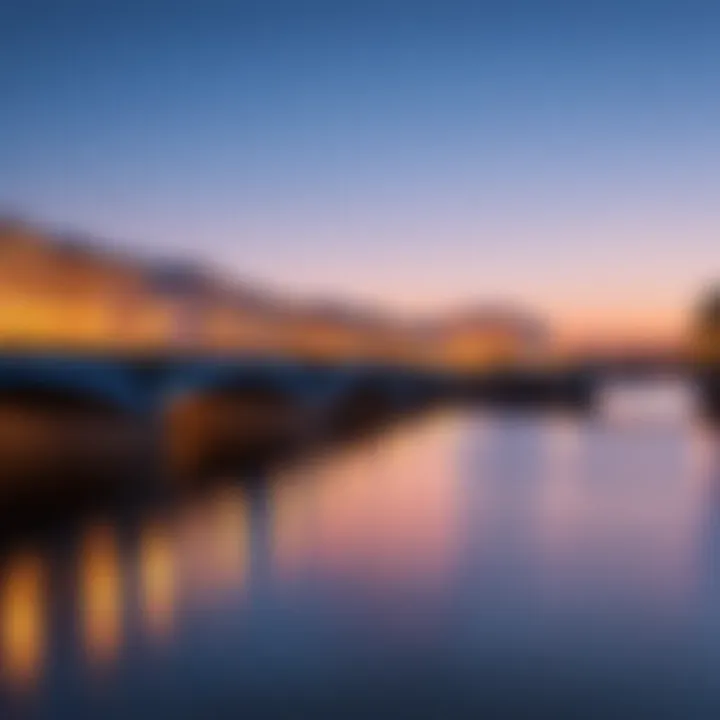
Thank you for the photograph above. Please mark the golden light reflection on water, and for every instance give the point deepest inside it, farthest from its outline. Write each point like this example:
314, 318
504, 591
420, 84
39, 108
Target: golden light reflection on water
230, 538
101, 593
157, 579
398, 513
180, 564
24, 631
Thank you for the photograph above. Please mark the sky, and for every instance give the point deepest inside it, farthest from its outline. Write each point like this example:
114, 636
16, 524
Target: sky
419, 156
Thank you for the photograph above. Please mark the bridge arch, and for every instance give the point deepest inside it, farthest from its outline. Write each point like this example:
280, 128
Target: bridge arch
69, 383
224, 411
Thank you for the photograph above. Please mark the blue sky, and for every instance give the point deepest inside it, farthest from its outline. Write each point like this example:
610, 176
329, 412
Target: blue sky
563, 155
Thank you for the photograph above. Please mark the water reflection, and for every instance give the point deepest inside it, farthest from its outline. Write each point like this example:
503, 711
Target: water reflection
230, 544
187, 559
212, 546
704, 467
619, 517
561, 505
158, 581
24, 631
101, 594
349, 516
456, 541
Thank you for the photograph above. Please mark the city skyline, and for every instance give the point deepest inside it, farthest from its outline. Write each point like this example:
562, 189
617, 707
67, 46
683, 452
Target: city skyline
76, 293
418, 157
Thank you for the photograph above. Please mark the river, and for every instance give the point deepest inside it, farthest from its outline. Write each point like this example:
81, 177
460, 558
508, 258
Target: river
461, 564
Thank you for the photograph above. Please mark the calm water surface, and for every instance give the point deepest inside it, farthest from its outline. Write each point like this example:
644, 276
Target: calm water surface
463, 564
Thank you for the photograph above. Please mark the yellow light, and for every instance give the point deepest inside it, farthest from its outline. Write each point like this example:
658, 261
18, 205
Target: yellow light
101, 593
23, 620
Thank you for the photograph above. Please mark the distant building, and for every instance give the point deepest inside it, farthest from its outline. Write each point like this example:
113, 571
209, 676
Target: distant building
331, 331
67, 292
484, 338
60, 293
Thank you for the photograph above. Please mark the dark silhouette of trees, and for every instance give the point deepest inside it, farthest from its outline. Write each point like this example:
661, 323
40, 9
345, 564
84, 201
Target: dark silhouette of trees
707, 326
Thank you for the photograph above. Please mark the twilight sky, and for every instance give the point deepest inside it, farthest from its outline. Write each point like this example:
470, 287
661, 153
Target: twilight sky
421, 155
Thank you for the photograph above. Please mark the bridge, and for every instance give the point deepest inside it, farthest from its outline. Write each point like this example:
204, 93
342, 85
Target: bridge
177, 398
140, 385
152, 385
177, 402
95, 346
184, 405
148, 385
142, 338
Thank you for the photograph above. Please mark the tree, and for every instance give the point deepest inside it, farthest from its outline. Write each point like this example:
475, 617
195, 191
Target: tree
707, 326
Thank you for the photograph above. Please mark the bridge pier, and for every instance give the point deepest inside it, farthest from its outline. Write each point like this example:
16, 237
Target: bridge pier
214, 428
